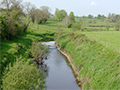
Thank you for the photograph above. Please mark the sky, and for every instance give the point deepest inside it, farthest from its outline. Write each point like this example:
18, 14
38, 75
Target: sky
81, 7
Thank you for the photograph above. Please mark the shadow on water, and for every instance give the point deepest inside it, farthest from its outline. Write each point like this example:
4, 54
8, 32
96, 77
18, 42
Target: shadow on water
58, 73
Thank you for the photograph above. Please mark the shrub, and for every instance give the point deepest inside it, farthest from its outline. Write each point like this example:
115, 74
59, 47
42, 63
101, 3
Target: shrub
39, 51
77, 26
22, 76
69, 25
117, 26
90, 21
107, 27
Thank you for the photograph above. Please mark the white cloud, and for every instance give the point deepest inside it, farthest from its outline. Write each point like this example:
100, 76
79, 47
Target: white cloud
93, 3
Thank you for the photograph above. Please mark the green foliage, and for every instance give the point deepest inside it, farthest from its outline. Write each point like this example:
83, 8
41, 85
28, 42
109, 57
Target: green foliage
90, 16
69, 25
98, 65
72, 17
107, 27
20, 45
86, 86
78, 26
43, 21
11, 26
95, 21
22, 76
39, 51
56, 13
117, 26
110, 39
90, 21
60, 14
66, 21
99, 16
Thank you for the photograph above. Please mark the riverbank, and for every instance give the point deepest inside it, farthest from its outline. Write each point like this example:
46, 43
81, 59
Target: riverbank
75, 71
19, 47
59, 71
98, 66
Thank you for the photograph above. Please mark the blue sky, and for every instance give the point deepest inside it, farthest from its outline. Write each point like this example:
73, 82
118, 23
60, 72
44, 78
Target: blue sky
81, 7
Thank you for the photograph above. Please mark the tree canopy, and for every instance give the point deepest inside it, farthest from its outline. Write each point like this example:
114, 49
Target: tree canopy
60, 14
72, 17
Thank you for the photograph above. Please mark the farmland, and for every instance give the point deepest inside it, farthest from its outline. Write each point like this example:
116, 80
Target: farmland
90, 43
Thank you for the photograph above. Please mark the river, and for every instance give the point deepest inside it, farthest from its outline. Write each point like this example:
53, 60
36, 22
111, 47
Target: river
59, 75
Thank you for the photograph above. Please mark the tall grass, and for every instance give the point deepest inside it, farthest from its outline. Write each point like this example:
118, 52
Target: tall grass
98, 65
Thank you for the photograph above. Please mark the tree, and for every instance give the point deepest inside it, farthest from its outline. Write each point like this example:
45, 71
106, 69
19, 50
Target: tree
90, 16
38, 16
78, 26
11, 22
28, 7
32, 14
66, 21
46, 12
56, 13
117, 26
72, 17
99, 16
60, 14
103, 18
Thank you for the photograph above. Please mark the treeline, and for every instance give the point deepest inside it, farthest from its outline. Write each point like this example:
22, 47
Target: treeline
110, 18
11, 17
68, 21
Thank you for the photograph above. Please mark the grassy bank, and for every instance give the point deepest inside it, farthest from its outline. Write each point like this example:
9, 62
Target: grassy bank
97, 64
20, 45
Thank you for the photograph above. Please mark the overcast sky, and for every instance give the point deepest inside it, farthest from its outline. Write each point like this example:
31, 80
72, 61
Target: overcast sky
81, 7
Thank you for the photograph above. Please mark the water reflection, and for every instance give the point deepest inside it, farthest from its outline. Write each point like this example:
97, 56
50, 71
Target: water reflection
59, 75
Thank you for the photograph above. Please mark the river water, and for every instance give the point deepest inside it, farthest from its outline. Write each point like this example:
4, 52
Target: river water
59, 75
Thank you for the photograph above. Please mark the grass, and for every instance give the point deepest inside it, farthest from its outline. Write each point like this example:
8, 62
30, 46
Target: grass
20, 45
97, 61
98, 26
98, 65
110, 39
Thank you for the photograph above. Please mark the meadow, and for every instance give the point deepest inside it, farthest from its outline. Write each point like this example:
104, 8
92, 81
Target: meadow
109, 39
94, 24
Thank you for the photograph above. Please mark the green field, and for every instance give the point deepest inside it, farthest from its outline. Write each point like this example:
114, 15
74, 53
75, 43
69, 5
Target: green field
98, 25
110, 39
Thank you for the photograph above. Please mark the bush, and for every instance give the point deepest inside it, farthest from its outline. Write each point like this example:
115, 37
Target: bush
117, 26
69, 25
39, 51
10, 27
90, 21
107, 27
77, 26
22, 76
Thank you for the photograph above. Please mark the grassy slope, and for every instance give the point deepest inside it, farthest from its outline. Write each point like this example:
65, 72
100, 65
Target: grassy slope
44, 31
98, 65
10, 49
